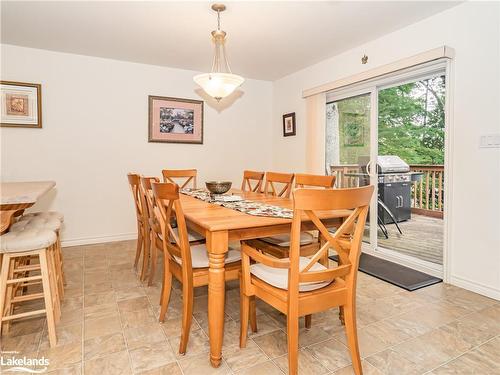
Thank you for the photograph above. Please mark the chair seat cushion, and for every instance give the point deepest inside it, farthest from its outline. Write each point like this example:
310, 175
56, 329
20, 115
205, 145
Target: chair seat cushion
28, 239
38, 222
278, 277
46, 215
192, 236
283, 240
199, 256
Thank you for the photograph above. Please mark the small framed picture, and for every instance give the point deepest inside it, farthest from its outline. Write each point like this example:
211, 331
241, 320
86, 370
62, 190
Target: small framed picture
175, 120
289, 124
21, 104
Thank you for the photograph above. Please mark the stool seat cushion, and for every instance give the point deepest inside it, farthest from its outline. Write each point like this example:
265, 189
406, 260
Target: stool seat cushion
45, 214
278, 277
199, 256
28, 239
283, 240
39, 222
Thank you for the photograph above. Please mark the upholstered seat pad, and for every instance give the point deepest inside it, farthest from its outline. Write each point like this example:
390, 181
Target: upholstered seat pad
28, 239
278, 277
199, 256
46, 215
192, 236
39, 222
283, 240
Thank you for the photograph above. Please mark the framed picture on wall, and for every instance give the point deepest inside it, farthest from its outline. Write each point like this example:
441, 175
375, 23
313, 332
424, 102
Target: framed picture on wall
289, 124
21, 104
175, 120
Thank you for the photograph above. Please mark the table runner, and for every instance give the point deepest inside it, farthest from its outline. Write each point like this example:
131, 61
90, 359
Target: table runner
246, 206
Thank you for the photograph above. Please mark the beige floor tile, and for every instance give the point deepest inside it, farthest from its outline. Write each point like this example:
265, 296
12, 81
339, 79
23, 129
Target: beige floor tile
368, 369
150, 356
71, 317
239, 358
65, 335
264, 325
390, 362
170, 369
308, 364
274, 344
124, 291
313, 335
99, 298
369, 341
26, 326
198, 343
200, 364
266, 368
137, 318
133, 304
24, 343
114, 364
63, 357
72, 303
139, 336
99, 287
103, 345
433, 348
173, 327
101, 327
104, 310
72, 370
332, 354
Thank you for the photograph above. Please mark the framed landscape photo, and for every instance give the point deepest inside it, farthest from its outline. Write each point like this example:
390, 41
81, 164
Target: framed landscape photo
21, 104
175, 120
289, 124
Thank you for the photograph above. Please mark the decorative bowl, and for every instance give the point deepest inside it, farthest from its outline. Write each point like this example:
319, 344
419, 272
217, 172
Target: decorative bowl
218, 187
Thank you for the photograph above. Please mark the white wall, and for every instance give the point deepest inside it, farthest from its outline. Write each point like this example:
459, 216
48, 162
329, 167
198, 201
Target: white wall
472, 29
95, 130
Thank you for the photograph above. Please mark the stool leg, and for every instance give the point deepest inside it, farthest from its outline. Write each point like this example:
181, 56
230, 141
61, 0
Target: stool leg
53, 282
9, 307
48, 297
59, 268
4, 273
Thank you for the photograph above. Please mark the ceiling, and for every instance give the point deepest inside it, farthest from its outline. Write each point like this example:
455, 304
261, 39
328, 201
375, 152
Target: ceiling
266, 40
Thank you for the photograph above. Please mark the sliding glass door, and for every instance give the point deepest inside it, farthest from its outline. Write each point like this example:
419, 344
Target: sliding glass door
390, 132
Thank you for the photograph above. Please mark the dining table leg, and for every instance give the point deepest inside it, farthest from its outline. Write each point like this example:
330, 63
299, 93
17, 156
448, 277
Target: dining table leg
217, 246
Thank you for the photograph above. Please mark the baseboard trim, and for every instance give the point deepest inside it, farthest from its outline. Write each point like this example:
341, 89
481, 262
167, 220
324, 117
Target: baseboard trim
475, 287
95, 240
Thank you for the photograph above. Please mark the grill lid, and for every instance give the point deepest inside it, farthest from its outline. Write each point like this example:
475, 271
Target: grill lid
391, 164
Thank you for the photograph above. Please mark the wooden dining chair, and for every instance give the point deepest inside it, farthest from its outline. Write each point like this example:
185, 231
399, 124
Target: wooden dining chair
252, 176
135, 185
150, 256
279, 245
278, 184
187, 263
300, 286
185, 176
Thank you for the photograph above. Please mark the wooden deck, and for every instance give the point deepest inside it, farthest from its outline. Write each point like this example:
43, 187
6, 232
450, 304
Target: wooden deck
422, 238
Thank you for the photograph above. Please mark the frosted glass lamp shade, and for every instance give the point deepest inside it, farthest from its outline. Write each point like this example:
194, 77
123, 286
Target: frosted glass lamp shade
218, 85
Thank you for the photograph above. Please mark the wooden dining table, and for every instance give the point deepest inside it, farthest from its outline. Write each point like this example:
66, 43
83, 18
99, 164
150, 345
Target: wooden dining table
221, 225
15, 197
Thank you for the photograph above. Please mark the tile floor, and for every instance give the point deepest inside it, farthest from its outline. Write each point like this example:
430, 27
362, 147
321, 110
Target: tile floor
109, 326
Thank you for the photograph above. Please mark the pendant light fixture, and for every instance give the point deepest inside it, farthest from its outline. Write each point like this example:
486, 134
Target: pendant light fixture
220, 82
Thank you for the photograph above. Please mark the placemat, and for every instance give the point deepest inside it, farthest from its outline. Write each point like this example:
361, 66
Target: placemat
245, 206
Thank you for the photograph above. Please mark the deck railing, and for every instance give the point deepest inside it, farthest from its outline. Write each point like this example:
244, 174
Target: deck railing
427, 194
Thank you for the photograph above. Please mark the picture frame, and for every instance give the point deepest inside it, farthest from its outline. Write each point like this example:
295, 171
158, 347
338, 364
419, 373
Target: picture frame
175, 120
21, 104
289, 125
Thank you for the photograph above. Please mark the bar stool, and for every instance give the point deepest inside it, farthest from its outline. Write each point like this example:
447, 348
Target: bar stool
50, 222
16, 246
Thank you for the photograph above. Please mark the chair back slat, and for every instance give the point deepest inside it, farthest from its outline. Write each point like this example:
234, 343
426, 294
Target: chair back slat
346, 240
168, 206
147, 201
273, 179
181, 177
314, 180
134, 182
256, 177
